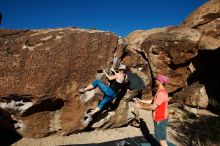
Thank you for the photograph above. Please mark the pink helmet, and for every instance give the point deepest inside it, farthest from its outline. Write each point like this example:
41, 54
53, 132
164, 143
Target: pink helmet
163, 79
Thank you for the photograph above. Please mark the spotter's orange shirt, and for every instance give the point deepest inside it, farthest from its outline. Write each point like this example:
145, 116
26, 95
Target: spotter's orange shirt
161, 100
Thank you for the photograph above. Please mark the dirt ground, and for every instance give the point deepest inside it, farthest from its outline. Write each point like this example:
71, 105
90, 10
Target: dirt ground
97, 136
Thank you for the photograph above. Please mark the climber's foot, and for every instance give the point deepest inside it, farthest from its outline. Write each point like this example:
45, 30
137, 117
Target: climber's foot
82, 90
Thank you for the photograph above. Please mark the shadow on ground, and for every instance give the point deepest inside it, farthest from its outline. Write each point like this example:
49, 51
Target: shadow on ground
146, 140
130, 141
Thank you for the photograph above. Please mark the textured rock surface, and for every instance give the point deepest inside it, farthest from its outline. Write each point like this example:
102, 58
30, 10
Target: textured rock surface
46, 68
207, 20
140, 75
194, 95
204, 14
167, 51
193, 126
41, 71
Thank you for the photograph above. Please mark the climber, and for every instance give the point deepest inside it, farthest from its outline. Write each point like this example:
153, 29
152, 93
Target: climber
159, 106
117, 82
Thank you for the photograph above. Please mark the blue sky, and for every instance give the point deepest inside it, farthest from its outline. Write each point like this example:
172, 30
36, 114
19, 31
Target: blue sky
119, 16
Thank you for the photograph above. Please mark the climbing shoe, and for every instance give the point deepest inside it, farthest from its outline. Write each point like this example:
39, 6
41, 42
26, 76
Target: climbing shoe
82, 90
90, 112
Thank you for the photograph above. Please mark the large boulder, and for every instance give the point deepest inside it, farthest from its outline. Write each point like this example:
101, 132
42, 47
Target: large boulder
191, 126
168, 51
207, 20
136, 38
139, 75
194, 95
41, 71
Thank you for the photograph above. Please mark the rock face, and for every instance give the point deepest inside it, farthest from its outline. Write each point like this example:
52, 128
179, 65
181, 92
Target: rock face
168, 51
176, 51
194, 95
203, 15
206, 19
41, 71
140, 76
193, 126
38, 61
